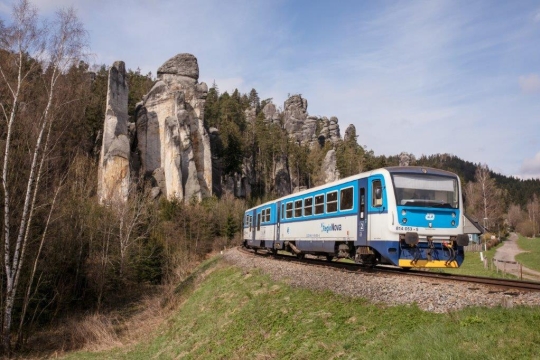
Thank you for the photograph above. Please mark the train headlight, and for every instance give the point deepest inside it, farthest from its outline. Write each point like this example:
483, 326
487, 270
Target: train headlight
403, 212
404, 220
453, 222
453, 214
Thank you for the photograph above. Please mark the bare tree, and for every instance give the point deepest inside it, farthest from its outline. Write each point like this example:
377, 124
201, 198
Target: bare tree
533, 209
515, 215
484, 198
40, 55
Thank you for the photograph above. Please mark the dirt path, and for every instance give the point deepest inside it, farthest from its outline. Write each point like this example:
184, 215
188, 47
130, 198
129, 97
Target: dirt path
508, 252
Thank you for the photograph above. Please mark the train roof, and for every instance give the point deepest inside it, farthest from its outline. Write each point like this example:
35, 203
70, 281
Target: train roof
417, 170
389, 169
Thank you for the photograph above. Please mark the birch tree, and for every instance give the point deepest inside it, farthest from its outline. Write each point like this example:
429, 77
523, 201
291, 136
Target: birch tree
38, 55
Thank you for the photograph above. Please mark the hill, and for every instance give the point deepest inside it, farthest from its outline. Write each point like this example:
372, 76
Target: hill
233, 313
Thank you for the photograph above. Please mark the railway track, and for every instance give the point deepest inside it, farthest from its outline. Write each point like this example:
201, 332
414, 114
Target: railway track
508, 284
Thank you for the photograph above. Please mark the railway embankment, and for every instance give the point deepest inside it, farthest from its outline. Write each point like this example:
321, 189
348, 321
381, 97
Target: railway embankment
428, 294
244, 306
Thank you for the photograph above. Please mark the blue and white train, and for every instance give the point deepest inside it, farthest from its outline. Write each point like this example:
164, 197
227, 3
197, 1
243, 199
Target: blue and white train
411, 217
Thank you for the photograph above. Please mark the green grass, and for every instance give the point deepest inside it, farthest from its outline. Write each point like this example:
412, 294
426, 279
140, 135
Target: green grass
233, 314
473, 265
530, 259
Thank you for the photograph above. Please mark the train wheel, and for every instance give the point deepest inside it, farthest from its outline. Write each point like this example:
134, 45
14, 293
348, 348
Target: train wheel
301, 256
329, 257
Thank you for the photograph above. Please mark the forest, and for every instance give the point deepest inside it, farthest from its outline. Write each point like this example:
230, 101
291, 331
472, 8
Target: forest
66, 255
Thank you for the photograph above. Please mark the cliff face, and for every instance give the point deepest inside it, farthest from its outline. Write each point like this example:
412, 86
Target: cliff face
308, 129
168, 146
169, 137
305, 130
173, 143
114, 171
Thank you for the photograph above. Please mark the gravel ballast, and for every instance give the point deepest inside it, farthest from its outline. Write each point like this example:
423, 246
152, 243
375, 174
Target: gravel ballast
429, 294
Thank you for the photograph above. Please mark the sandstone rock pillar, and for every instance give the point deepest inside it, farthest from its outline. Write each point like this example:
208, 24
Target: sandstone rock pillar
114, 172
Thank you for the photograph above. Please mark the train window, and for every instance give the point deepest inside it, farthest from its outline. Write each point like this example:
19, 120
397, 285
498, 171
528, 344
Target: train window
376, 197
298, 208
319, 204
362, 202
258, 221
267, 215
346, 199
308, 206
331, 202
289, 210
282, 211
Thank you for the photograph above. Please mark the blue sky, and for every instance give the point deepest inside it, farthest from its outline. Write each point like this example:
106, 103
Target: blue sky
425, 77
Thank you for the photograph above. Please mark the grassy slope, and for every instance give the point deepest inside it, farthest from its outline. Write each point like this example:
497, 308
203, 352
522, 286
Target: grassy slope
233, 314
532, 258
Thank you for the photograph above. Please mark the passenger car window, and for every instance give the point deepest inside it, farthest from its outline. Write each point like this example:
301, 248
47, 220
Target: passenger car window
289, 210
377, 196
308, 206
319, 204
346, 199
298, 208
331, 202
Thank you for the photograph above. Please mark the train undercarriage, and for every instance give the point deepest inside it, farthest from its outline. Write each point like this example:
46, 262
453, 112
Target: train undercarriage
406, 254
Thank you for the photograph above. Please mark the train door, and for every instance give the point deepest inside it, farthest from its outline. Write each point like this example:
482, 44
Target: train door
253, 225
362, 213
278, 220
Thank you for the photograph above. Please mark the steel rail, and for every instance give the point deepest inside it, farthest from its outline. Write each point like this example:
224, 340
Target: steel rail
351, 267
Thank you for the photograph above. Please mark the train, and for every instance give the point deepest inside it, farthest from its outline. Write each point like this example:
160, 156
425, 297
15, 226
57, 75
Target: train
409, 217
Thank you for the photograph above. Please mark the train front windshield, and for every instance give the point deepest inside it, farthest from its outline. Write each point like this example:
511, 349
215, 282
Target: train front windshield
426, 190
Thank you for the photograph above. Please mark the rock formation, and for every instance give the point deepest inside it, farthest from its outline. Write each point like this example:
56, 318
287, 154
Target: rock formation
114, 170
350, 133
173, 143
406, 159
271, 115
294, 117
329, 168
169, 145
308, 129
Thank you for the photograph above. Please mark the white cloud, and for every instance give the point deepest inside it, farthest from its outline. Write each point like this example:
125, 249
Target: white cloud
530, 83
530, 168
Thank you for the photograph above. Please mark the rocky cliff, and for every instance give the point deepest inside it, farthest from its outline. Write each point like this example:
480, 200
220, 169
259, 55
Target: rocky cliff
114, 170
169, 138
167, 145
174, 146
308, 129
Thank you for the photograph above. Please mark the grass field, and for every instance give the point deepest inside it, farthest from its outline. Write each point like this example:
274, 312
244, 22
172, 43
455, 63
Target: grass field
233, 314
532, 258
473, 265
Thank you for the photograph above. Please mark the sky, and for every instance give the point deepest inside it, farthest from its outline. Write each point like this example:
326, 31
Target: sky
424, 77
